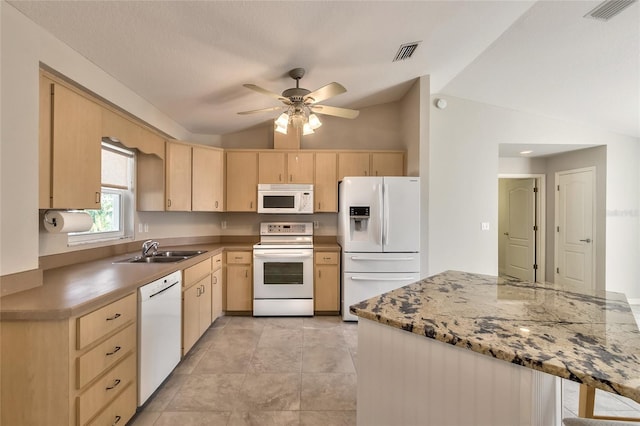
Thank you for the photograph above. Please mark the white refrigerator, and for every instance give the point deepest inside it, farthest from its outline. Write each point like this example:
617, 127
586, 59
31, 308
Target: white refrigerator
379, 232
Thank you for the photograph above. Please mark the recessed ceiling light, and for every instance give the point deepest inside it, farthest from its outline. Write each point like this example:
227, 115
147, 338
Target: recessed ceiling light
526, 152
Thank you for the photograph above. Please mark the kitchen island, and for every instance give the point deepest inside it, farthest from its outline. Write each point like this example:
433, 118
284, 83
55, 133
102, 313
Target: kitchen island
506, 343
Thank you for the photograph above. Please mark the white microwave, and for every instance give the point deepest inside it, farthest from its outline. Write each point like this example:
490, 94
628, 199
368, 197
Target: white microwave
288, 198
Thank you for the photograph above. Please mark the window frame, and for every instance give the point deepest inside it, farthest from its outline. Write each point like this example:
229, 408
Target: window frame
126, 207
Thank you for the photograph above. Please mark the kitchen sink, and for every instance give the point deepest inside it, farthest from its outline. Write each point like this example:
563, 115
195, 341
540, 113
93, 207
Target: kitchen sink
179, 253
164, 256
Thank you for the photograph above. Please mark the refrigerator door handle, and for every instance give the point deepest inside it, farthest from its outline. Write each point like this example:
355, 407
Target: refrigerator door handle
380, 213
378, 259
385, 203
357, 278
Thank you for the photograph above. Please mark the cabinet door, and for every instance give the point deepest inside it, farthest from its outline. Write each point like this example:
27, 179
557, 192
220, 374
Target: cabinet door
44, 144
387, 164
239, 288
241, 181
207, 175
271, 167
178, 165
216, 294
326, 182
75, 151
190, 317
205, 304
326, 297
353, 164
299, 167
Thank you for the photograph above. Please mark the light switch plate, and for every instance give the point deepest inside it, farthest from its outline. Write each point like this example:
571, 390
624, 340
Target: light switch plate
485, 226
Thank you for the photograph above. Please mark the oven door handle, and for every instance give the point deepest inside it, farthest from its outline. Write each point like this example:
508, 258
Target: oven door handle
359, 278
276, 255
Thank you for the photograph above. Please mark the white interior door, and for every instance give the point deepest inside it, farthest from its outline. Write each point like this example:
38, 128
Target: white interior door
575, 227
520, 234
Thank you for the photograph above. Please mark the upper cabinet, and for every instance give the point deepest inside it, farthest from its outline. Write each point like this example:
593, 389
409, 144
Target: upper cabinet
285, 167
207, 176
70, 148
370, 164
241, 181
387, 164
178, 171
325, 192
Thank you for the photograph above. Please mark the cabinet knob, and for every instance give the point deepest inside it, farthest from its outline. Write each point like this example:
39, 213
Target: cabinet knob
116, 316
168, 202
116, 420
216, 204
116, 349
97, 198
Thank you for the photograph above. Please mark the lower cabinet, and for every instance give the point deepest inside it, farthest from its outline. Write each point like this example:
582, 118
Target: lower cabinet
76, 371
216, 288
326, 284
196, 303
239, 281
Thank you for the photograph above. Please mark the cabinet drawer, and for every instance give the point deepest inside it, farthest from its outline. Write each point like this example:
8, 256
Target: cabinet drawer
101, 322
239, 257
106, 389
107, 353
327, 258
217, 262
119, 411
195, 273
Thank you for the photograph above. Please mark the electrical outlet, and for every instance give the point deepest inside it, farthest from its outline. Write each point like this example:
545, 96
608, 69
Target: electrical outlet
223, 224
146, 227
316, 224
140, 228
485, 226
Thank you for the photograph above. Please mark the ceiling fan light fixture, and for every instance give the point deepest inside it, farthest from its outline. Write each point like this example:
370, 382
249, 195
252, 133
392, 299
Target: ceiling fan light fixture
281, 129
307, 129
283, 120
314, 121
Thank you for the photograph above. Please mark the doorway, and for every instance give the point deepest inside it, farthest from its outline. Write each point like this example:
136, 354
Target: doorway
521, 228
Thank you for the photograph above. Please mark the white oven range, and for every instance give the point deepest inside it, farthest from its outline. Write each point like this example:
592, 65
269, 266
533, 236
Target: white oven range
283, 270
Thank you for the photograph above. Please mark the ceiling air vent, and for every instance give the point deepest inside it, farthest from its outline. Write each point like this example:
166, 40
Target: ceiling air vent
405, 51
608, 9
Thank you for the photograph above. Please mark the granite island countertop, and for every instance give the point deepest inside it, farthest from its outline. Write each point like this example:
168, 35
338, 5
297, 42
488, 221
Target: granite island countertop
581, 336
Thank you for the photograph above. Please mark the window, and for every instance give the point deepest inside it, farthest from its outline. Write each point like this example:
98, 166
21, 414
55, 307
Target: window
115, 219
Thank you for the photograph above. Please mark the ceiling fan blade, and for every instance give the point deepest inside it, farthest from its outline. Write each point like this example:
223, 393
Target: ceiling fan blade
335, 111
265, 92
262, 110
326, 92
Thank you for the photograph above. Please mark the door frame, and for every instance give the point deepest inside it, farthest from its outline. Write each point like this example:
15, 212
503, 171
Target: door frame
594, 225
541, 207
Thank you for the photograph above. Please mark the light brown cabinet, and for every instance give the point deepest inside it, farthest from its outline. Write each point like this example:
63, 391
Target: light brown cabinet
370, 164
178, 175
216, 288
207, 177
77, 375
239, 281
285, 167
326, 182
69, 148
241, 181
326, 285
196, 303
353, 164
387, 164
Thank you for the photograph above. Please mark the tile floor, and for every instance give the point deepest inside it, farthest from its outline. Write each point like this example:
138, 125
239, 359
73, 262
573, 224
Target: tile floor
262, 371
285, 371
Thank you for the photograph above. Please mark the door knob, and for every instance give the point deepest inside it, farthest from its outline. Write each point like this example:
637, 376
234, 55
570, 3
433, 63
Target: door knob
586, 240
506, 233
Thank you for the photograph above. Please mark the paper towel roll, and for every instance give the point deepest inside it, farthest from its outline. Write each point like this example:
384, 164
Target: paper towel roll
61, 221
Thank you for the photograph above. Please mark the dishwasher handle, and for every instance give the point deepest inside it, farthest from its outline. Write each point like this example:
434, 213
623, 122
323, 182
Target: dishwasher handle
163, 290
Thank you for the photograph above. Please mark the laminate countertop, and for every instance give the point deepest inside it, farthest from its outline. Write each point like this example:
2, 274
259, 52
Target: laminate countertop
73, 290
582, 336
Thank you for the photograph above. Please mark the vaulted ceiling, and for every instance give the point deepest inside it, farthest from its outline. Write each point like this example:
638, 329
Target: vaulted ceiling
190, 58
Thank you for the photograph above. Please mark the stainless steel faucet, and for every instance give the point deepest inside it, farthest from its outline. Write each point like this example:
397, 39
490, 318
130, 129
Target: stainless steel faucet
148, 246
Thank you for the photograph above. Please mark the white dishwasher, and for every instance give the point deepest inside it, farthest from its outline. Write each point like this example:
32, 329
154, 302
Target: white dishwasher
159, 332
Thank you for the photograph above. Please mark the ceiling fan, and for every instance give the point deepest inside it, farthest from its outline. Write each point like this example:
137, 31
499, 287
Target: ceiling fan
301, 104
